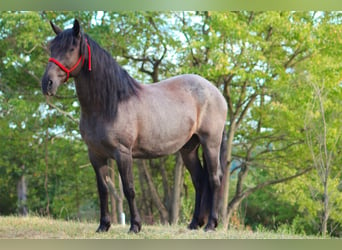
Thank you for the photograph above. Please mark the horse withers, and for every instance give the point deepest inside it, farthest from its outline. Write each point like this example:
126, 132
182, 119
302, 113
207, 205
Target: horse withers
122, 119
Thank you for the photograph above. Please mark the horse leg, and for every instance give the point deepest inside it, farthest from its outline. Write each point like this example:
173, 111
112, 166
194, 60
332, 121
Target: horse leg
211, 155
125, 162
206, 195
190, 158
101, 170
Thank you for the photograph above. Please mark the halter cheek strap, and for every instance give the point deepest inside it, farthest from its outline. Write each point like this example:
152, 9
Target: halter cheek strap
68, 71
65, 69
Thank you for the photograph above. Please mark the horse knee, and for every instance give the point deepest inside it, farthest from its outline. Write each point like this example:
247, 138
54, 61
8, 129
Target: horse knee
215, 182
102, 186
103, 191
129, 192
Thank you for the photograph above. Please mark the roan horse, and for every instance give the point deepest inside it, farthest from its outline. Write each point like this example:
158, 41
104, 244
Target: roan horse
122, 119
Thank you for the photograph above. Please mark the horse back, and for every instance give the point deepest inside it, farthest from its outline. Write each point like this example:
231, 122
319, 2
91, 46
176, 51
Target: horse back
171, 111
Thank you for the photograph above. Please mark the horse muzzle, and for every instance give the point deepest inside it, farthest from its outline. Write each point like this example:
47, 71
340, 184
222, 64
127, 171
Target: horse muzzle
49, 87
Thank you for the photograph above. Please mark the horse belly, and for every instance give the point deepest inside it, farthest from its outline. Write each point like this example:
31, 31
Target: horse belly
163, 138
155, 151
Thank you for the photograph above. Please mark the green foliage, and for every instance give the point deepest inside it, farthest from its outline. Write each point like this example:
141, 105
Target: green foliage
263, 62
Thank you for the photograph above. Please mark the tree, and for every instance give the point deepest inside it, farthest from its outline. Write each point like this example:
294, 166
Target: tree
28, 126
317, 111
250, 56
323, 133
268, 65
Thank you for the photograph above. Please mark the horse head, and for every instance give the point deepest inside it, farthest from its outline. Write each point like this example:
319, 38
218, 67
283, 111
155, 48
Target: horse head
67, 57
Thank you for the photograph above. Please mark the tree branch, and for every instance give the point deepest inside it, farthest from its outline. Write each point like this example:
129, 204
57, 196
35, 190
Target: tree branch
66, 114
273, 182
244, 111
154, 193
237, 199
227, 80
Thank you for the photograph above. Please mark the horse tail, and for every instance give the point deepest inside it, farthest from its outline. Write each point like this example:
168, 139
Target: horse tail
223, 152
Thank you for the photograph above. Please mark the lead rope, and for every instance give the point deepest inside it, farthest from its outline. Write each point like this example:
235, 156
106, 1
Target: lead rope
89, 55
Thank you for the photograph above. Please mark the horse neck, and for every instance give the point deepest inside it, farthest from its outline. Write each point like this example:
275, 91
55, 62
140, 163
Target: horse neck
101, 89
88, 86
85, 96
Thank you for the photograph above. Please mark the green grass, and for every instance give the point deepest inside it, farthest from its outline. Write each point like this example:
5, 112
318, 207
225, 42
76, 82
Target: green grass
31, 227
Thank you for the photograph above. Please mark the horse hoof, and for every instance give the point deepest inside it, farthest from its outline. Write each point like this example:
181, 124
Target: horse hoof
193, 226
103, 228
134, 229
210, 226
201, 222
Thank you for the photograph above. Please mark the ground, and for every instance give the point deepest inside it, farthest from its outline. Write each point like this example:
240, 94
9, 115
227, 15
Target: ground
32, 227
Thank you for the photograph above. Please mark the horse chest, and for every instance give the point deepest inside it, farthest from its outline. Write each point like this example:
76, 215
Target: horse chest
103, 137
95, 136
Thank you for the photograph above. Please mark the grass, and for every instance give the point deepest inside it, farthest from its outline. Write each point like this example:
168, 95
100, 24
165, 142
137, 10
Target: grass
12, 227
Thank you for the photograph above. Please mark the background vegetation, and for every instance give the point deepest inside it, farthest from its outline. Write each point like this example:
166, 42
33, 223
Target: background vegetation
280, 73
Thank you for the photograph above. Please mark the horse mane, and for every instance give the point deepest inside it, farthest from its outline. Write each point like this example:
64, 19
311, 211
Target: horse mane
108, 83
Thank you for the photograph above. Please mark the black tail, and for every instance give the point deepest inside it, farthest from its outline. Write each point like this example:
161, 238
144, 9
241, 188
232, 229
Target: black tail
223, 152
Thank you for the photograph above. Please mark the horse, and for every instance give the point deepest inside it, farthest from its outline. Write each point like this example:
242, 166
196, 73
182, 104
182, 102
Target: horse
122, 119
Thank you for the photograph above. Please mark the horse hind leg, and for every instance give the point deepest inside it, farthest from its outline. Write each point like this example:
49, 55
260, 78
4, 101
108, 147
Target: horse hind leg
192, 162
211, 158
206, 197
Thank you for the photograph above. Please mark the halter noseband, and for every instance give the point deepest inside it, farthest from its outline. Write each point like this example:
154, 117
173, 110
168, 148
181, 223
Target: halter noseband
68, 71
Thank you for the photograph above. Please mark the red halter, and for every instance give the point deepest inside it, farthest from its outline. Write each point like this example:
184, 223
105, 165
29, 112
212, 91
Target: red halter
68, 71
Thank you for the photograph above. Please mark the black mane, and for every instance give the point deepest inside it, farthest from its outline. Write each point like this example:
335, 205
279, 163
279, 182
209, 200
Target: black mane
108, 83
61, 43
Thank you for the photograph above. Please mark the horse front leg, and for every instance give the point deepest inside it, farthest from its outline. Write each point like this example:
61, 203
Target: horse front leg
125, 162
101, 171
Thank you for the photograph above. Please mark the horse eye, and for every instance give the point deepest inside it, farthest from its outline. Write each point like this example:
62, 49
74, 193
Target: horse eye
72, 49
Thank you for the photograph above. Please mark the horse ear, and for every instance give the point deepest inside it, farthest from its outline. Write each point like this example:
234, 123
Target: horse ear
55, 28
76, 29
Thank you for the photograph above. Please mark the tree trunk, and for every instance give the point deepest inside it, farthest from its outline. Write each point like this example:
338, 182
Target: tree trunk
77, 194
164, 215
22, 194
47, 209
145, 204
325, 215
176, 193
114, 217
119, 201
242, 194
115, 196
322, 151
226, 177
233, 205
166, 185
